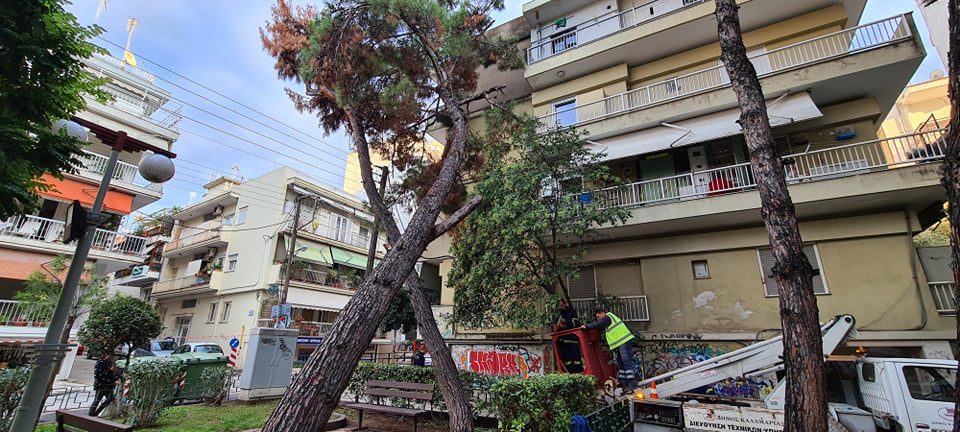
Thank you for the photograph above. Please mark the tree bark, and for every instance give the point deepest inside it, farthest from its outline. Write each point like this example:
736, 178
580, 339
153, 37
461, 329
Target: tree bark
806, 401
951, 166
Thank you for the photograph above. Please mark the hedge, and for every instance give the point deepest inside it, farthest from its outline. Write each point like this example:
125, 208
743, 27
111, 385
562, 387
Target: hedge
478, 384
544, 403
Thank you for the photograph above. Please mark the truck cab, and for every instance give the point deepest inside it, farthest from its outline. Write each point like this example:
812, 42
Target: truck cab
909, 394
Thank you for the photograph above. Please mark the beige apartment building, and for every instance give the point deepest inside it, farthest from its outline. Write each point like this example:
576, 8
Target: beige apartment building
222, 271
692, 266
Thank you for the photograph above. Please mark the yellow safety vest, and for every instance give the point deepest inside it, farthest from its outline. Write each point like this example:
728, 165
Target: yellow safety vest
617, 332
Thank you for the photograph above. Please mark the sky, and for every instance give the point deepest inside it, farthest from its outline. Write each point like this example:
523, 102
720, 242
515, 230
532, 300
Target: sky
216, 43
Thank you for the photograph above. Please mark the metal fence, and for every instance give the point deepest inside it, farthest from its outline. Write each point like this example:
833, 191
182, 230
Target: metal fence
12, 313
942, 293
628, 308
611, 418
51, 231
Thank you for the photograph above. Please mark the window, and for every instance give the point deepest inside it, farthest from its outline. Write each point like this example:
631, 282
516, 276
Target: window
564, 41
241, 216
766, 268
583, 286
364, 233
213, 349
228, 219
182, 349
225, 313
700, 269
868, 372
188, 304
565, 113
232, 262
212, 315
930, 383
341, 228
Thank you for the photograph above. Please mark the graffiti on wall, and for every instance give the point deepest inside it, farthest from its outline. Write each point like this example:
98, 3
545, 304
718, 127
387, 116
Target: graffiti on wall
667, 355
500, 360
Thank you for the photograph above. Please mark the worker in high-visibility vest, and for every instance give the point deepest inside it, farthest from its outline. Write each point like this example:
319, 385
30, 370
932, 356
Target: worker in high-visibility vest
620, 340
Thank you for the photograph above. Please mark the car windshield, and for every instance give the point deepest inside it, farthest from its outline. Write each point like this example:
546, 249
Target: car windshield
930, 383
208, 349
164, 346
140, 352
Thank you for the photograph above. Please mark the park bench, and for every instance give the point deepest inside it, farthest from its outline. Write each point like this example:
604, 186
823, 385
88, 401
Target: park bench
87, 423
413, 392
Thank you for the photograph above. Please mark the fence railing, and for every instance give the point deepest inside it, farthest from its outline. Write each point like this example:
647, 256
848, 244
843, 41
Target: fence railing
628, 308
823, 48
192, 239
603, 26
13, 313
614, 417
341, 235
180, 283
942, 293
831, 162
321, 278
93, 165
312, 328
51, 231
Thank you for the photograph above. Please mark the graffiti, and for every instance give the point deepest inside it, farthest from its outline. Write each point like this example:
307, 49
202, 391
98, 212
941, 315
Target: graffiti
674, 336
753, 388
501, 360
662, 357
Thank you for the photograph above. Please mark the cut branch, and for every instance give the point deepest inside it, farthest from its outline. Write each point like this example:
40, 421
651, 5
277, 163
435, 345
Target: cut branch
445, 225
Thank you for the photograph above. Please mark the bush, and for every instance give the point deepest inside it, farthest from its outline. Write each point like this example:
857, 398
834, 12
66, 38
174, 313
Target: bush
477, 384
543, 404
12, 382
214, 384
151, 388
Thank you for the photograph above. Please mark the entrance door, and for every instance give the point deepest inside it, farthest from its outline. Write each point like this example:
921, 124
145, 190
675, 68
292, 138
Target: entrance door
183, 327
698, 163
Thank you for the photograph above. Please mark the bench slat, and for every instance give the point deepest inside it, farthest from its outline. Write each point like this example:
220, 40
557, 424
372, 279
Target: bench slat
401, 385
398, 394
409, 412
91, 424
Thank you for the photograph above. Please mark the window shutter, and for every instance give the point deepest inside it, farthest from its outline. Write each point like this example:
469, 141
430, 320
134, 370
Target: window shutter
770, 284
584, 285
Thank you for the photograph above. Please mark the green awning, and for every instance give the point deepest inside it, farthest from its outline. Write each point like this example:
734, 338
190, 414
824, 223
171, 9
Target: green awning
348, 258
316, 253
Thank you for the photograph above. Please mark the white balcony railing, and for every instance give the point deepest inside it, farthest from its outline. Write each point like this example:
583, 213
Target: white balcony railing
601, 27
93, 165
12, 313
180, 283
184, 241
628, 308
51, 231
311, 328
321, 278
841, 161
342, 235
823, 48
942, 293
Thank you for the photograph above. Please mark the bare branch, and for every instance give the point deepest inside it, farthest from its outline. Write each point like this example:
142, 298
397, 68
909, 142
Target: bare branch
445, 225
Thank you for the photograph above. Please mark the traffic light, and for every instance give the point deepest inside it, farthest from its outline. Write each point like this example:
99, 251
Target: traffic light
76, 222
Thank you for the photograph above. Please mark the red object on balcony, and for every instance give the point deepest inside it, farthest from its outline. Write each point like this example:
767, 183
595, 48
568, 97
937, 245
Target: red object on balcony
596, 359
719, 185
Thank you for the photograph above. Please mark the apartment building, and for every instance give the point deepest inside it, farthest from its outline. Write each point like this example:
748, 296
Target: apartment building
137, 280
921, 107
692, 266
935, 14
222, 271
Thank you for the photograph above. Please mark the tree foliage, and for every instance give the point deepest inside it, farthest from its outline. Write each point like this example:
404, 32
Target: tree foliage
42, 80
515, 252
41, 290
120, 321
400, 316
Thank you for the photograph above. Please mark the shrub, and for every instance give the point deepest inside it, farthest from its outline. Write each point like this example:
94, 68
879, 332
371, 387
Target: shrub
214, 384
151, 388
543, 404
478, 383
12, 382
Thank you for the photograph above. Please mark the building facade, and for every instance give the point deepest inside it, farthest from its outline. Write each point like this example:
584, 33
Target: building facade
146, 113
223, 270
692, 266
921, 107
935, 15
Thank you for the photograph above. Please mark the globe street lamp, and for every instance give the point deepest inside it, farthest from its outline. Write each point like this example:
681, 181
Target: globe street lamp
156, 168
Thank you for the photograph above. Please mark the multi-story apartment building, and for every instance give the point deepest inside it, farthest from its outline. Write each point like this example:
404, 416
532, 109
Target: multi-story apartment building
921, 107
137, 280
692, 266
935, 15
222, 271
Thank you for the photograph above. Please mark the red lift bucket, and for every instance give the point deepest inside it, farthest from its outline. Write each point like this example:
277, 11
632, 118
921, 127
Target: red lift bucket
580, 351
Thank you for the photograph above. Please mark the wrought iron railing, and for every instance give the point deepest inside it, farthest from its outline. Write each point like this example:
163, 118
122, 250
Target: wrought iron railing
628, 308
321, 278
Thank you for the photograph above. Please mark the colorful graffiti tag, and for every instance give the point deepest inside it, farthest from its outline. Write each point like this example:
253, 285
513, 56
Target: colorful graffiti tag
662, 356
500, 360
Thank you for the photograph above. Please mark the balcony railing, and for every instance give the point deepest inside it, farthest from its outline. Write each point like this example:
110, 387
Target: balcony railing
312, 328
51, 231
322, 278
628, 308
842, 161
206, 235
180, 284
12, 313
604, 26
823, 48
338, 234
942, 293
165, 114
94, 165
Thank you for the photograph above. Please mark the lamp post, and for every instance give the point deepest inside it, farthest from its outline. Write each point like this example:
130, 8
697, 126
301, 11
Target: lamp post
156, 168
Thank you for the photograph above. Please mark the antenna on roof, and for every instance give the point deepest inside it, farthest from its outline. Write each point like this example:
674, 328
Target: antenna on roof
127, 55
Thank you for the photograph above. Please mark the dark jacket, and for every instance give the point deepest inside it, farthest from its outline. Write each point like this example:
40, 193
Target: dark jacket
419, 359
104, 375
568, 318
600, 323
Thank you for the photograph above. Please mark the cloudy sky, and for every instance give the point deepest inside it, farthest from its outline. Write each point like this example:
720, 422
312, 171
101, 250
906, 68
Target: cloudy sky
216, 43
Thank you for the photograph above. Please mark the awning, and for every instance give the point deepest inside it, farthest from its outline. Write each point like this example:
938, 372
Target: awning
348, 258
315, 252
18, 265
313, 299
69, 190
782, 111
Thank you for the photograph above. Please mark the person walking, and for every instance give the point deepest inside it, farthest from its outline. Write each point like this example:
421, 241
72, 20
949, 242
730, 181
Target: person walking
619, 339
420, 357
104, 381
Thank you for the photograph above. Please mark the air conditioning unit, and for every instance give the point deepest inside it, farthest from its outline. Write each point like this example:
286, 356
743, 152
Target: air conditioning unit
218, 210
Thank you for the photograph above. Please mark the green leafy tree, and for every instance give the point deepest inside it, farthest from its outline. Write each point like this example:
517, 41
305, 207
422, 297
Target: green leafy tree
515, 252
42, 80
400, 316
121, 321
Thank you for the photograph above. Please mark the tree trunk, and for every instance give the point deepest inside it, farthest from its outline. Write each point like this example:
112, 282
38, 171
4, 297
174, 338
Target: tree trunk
806, 401
951, 166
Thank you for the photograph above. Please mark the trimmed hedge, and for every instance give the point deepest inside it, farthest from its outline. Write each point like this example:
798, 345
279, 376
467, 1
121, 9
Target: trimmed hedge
478, 384
12, 383
544, 403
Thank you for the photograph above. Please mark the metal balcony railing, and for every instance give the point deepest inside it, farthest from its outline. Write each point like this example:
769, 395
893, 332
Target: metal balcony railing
180, 283
628, 308
93, 165
13, 313
321, 278
601, 27
212, 233
841, 161
809, 52
51, 231
312, 328
341, 235
942, 293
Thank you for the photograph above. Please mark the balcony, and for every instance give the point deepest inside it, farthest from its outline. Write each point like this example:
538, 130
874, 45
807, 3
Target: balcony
337, 234
43, 233
187, 285
317, 277
12, 313
829, 47
148, 102
310, 328
942, 293
207, 237
628, 308
93, 165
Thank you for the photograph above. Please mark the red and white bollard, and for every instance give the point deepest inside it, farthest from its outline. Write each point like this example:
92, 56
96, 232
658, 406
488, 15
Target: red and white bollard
182, 382
233, 357
126, 389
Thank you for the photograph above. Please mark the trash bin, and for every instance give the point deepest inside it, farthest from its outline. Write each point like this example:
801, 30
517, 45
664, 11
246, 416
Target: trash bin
190, 386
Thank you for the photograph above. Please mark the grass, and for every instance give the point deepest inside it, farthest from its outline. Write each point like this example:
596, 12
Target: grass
202, 418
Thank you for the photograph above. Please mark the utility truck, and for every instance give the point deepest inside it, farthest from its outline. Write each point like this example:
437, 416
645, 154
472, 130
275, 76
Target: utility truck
866, 394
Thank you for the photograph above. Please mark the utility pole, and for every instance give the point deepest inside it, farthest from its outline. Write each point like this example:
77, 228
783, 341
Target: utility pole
291, 252
375, 234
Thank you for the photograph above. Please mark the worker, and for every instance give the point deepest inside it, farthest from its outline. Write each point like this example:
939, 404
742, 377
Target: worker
568, 316
569, 344
619, 339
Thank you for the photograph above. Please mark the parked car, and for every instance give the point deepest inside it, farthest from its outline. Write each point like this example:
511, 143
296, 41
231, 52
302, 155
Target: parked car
158, 348
199, 347
162, 347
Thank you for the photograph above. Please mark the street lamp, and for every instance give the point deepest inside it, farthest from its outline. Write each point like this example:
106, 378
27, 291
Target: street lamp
157, 168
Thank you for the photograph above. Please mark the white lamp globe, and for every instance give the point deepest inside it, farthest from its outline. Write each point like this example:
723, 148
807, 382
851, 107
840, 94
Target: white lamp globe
157, 168
73, 129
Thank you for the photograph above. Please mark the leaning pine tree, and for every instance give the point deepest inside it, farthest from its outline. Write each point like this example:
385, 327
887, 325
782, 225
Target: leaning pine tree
806, 400
383, 70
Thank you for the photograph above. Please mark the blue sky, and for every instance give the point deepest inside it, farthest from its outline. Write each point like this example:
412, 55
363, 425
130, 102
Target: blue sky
216, 43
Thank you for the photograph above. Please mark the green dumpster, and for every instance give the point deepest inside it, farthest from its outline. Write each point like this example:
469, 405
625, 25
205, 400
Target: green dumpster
190, 386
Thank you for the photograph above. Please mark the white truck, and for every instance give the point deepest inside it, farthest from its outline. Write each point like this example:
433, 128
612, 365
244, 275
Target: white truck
866, 394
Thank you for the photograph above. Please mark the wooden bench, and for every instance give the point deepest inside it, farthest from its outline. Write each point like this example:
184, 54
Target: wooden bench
87, 423
414, 392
